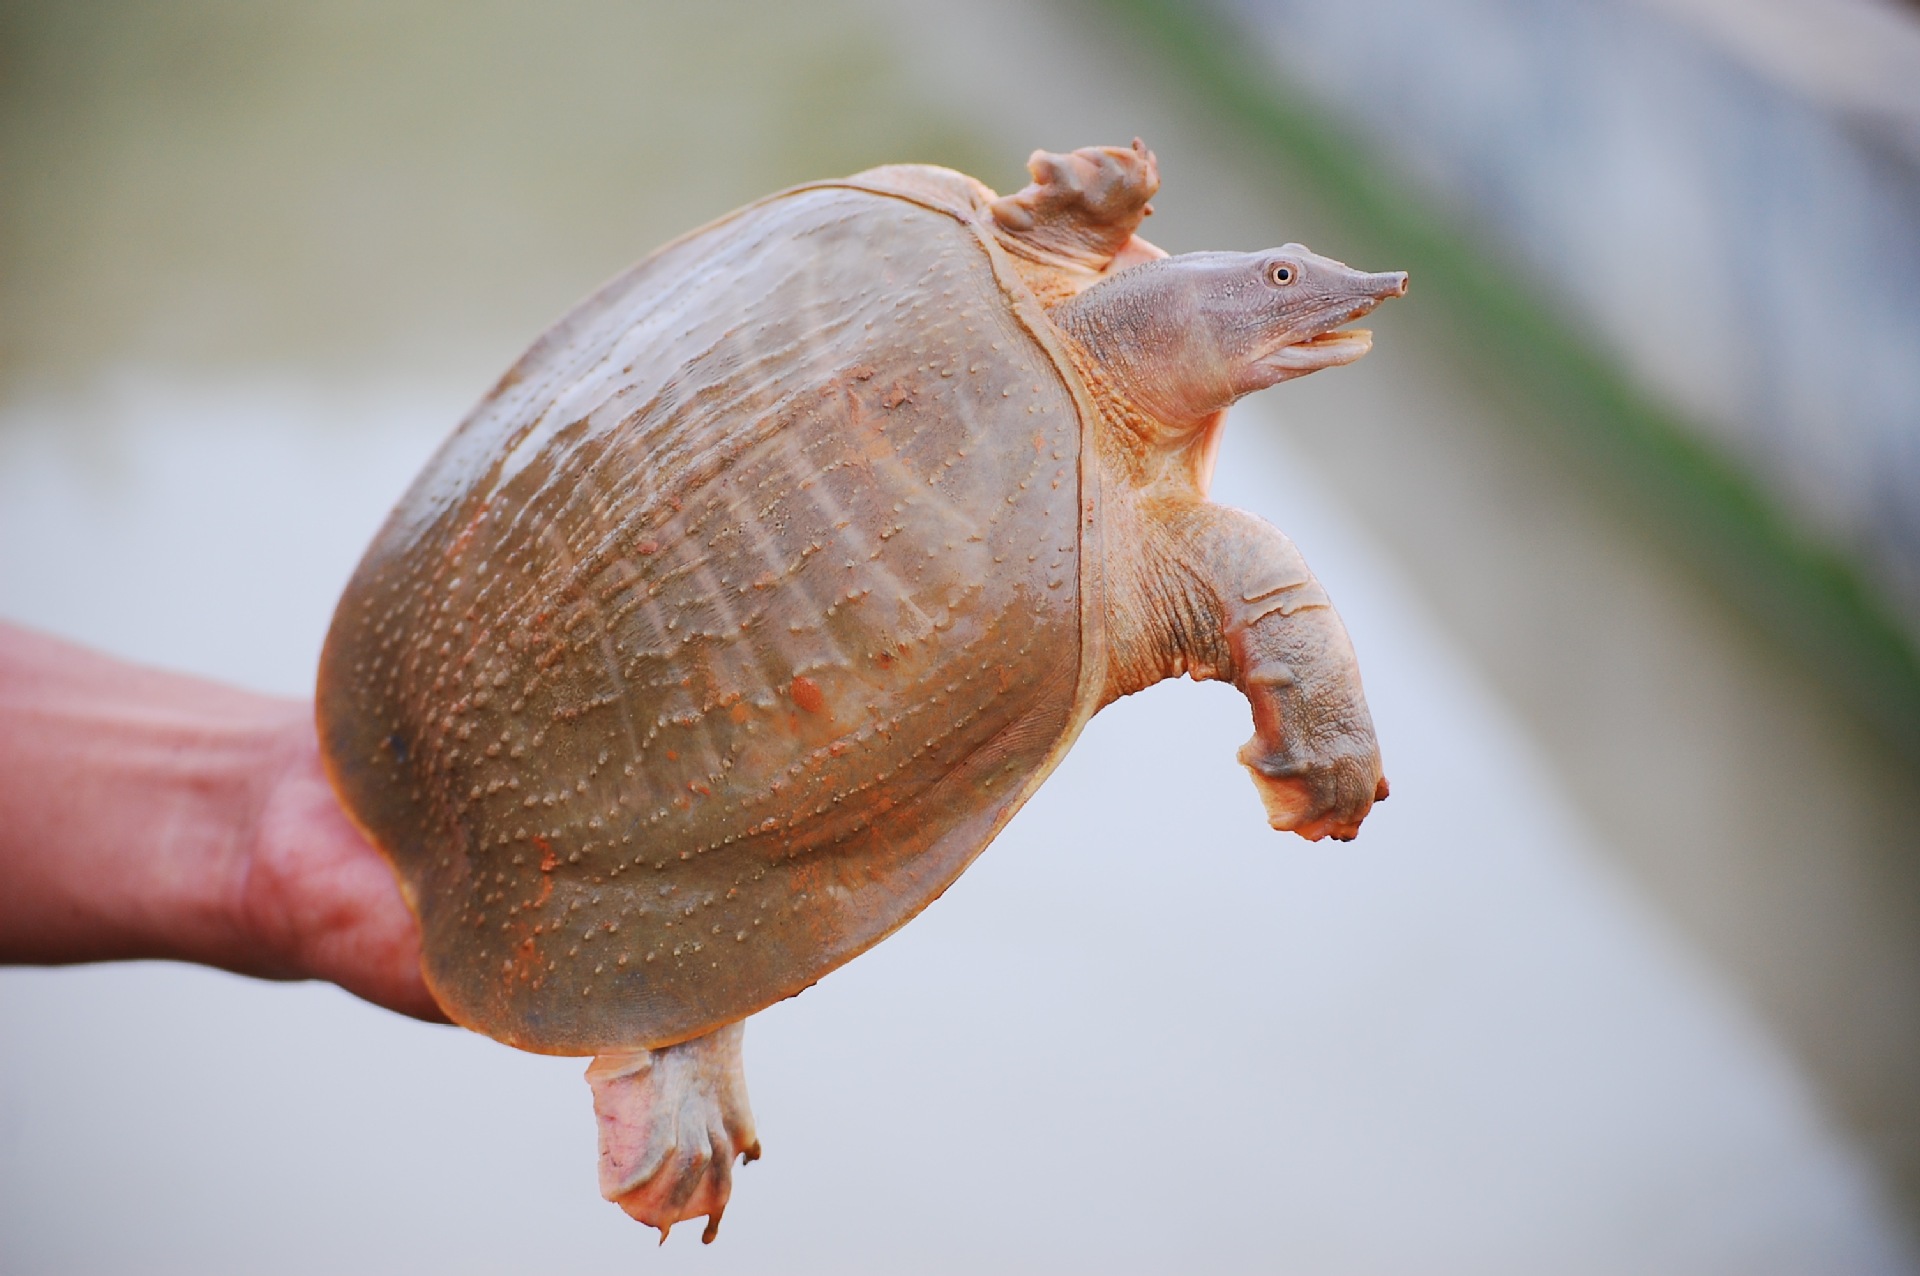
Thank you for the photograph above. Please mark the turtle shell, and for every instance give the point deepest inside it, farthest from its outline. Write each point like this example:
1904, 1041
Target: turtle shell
730, 627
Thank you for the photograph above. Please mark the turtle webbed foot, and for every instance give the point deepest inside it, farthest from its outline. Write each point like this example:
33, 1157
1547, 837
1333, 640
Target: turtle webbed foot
671, 1122
1082, 208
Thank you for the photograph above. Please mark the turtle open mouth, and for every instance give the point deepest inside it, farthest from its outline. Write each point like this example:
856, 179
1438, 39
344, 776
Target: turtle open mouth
1337, 335
1323, 350
1359, 294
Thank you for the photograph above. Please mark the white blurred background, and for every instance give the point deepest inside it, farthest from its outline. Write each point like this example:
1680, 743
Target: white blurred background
1626, 977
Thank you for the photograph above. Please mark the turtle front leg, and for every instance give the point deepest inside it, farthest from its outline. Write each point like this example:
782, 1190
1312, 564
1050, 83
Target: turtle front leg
671, 1122
1238, 602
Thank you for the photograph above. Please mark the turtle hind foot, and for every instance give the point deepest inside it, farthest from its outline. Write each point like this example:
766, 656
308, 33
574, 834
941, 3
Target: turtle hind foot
671, 1123
1083, 207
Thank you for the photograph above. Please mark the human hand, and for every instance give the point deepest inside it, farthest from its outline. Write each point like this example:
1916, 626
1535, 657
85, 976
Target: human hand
320, 902
146, 814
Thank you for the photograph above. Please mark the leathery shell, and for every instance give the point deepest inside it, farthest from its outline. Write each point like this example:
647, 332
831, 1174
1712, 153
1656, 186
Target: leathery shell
728, 629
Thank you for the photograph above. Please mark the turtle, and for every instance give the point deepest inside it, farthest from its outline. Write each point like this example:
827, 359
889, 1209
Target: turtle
759, 594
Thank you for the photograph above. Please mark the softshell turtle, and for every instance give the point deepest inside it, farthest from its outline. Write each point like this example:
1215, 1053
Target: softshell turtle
761, 592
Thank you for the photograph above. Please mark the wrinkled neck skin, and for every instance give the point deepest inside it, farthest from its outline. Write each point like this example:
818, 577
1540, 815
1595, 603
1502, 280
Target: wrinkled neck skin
1180, 339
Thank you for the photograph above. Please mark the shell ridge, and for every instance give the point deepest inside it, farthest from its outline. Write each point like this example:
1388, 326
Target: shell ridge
1091, 681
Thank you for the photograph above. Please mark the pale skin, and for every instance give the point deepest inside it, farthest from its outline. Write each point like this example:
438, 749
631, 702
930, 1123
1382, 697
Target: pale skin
1199, 588
1166, 346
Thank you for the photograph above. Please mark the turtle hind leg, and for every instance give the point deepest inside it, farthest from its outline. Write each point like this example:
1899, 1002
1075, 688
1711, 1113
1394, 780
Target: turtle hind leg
671, 1122
1082, 208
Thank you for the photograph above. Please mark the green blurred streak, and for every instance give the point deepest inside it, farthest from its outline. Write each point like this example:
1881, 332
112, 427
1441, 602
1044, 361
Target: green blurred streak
1801, 591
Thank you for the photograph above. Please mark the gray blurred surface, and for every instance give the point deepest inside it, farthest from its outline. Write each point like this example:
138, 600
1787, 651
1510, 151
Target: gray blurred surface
1724, 193
1623, 978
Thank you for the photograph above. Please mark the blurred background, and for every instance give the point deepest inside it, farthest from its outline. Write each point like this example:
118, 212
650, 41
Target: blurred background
1623, 512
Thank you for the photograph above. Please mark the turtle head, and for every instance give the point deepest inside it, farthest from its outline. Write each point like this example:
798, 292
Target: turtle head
1183, 337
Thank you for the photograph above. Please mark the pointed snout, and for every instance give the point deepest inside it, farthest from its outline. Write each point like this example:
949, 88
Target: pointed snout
1391, 284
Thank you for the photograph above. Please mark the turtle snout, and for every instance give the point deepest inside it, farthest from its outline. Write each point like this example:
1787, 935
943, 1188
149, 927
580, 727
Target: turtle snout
1391, 284
1364, 291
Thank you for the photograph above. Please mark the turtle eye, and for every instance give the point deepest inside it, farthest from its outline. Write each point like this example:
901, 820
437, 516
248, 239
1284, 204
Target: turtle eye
1282, 273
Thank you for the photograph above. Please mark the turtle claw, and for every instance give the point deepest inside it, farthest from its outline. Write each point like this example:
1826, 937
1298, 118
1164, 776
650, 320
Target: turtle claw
671, 1123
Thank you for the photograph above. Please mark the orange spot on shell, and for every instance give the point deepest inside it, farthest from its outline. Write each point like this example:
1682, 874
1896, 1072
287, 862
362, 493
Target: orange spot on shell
548, 862
807, 694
